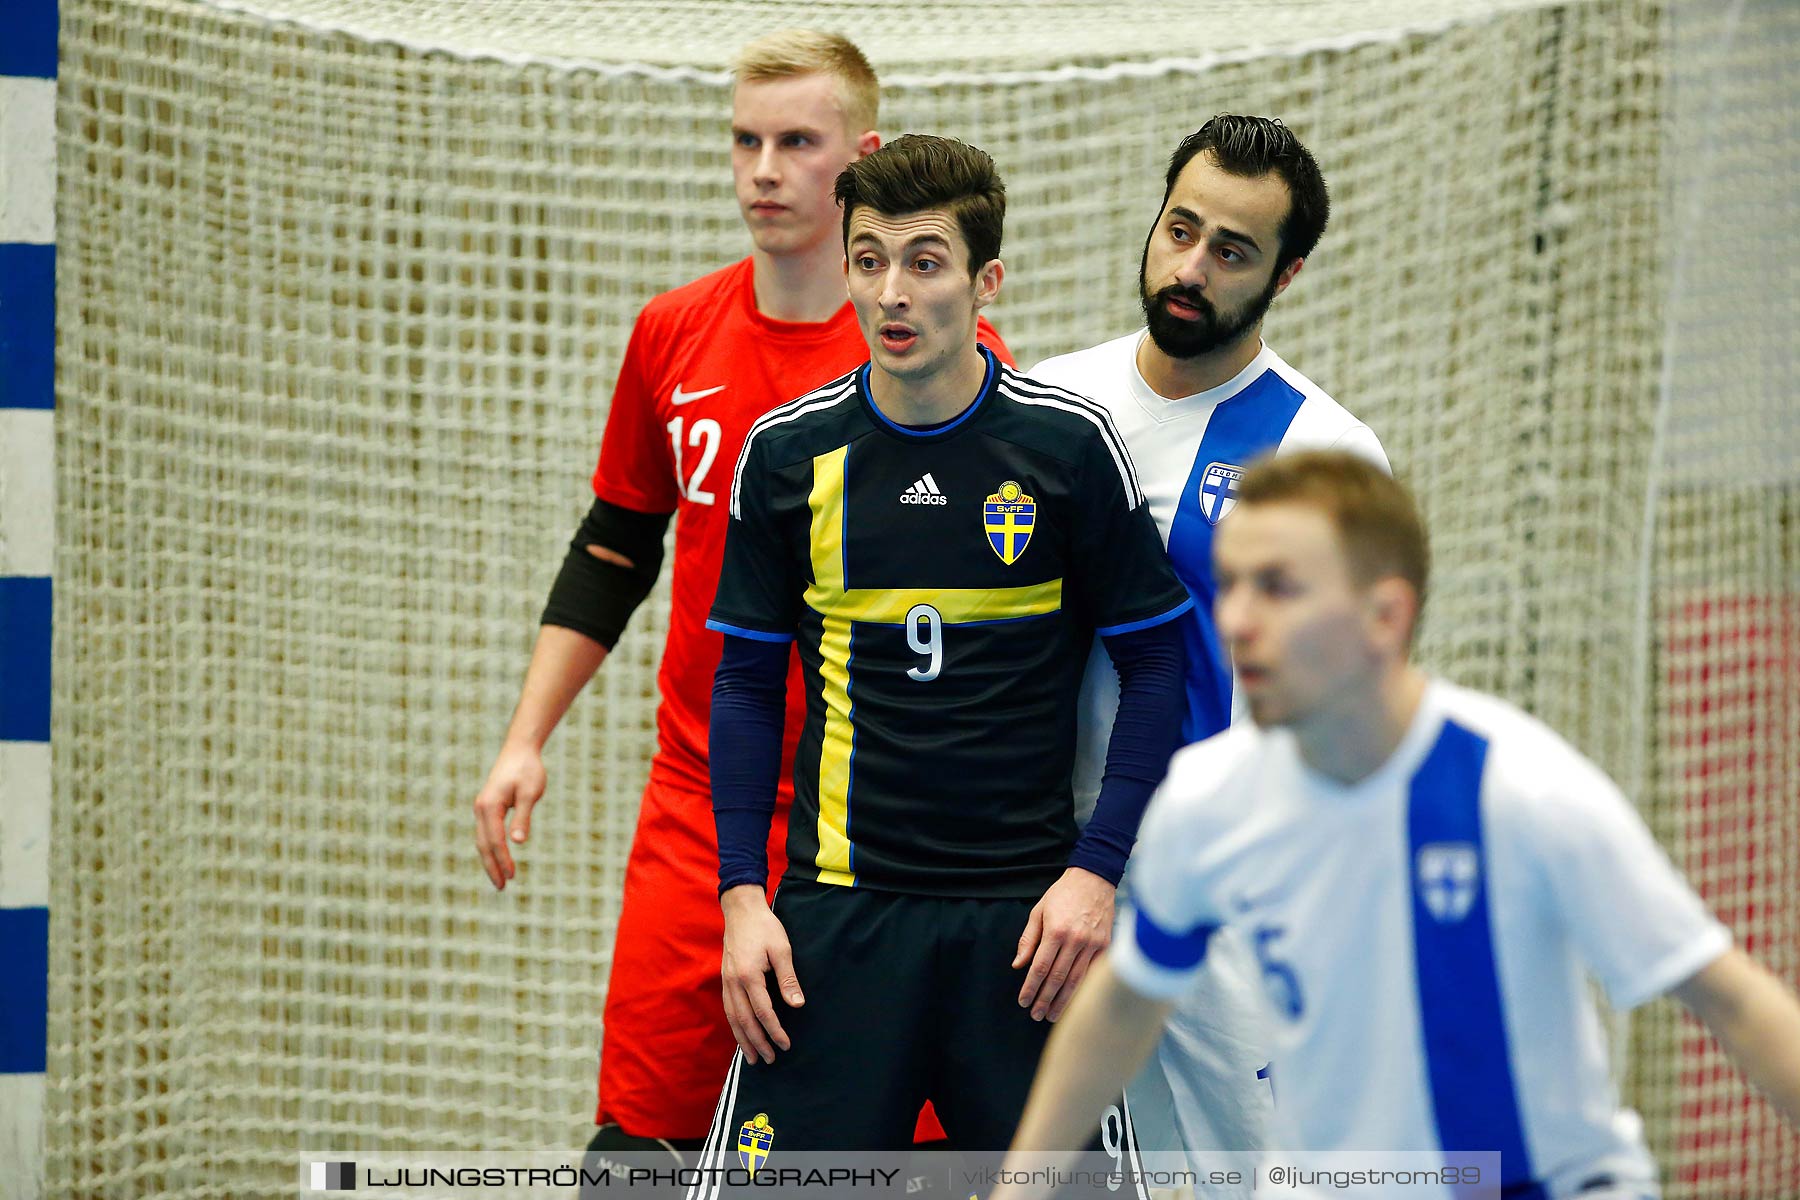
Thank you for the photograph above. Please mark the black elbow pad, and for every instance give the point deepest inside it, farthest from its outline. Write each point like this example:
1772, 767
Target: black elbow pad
595, 597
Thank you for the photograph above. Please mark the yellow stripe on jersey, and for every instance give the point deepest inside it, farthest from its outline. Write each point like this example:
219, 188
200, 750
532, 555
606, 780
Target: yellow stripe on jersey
838, 607
834, 756
827, 504
956, 605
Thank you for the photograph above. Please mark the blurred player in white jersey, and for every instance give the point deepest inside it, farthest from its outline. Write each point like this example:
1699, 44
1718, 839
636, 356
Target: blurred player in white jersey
1428, 875
1197, 395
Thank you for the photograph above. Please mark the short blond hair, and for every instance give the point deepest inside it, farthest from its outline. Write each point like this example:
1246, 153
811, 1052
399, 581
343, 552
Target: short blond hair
1377, 520
788, 53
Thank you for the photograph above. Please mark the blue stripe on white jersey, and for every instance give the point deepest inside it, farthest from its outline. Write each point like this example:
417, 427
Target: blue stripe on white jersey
1243, 428
1443, 918
1188, 452
1462, 1020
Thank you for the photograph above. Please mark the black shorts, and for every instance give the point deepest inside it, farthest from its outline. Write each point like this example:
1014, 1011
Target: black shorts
908, 998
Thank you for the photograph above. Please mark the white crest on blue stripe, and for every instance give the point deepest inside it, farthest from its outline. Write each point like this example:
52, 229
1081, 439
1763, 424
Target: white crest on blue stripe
1218, 490
1449, 877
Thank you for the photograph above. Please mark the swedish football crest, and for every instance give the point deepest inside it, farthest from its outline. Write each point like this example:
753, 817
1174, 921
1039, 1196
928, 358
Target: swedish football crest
1218, 490
1009, 516
755, 1139
1449, 879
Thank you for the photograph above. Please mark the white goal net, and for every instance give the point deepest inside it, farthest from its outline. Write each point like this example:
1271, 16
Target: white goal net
342, 289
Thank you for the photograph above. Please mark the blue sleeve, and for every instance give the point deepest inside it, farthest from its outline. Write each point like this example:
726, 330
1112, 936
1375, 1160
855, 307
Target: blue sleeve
1154, 961
749, 703
1145, 734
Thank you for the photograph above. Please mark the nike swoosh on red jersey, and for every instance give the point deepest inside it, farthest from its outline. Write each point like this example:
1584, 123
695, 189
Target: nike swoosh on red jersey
681, 397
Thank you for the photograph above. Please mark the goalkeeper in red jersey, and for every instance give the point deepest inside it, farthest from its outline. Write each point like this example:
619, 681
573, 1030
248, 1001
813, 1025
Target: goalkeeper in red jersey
704, 361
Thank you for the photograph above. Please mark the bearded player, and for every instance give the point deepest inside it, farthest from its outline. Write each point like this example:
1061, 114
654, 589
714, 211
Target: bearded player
1197, 394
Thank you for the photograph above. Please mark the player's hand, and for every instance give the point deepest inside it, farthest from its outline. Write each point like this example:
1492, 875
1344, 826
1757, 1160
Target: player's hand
756, 944
1067, 928
514, 785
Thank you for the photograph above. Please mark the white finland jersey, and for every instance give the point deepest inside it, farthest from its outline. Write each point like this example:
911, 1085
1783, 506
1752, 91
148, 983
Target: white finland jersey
1189, 454
1206, 1088
1424, 935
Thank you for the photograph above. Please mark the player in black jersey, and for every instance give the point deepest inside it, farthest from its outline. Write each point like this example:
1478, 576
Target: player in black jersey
942, 536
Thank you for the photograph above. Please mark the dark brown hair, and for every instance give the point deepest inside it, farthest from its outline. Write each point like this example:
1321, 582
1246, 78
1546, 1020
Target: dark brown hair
917, 172
1253, 146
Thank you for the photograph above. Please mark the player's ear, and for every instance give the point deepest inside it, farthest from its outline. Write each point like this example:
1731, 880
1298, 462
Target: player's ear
1393, 610
1286, 275
867, 143
987, 282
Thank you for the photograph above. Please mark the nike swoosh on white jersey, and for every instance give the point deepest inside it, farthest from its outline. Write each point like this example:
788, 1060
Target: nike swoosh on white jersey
681, 397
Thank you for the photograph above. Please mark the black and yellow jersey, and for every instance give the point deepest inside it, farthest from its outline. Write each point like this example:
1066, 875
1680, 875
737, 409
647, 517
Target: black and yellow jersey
944, 586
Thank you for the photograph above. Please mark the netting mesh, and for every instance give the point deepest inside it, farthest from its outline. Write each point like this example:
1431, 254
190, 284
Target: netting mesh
339, 314
1721, 573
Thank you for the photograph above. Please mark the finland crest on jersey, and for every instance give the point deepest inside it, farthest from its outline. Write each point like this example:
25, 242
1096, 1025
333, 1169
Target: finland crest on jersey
1449, 878
1218, 490
1009, 516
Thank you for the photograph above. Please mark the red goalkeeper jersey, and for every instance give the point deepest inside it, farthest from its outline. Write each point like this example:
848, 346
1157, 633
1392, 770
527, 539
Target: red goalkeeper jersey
702, 364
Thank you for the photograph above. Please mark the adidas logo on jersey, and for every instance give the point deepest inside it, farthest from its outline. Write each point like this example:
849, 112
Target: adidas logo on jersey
924, 491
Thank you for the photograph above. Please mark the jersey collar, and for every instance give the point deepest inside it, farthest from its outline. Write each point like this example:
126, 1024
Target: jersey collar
881, 419
1399, 766
1162, 410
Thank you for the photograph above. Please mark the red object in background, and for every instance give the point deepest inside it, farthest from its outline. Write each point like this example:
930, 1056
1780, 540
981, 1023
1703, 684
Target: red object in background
1732, 700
